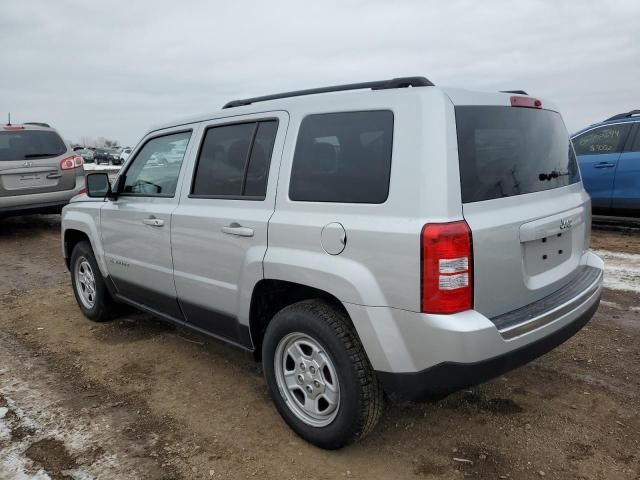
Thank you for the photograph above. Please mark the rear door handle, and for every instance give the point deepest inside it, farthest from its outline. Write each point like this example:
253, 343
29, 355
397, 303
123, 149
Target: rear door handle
237, 229
604, 165
153, 222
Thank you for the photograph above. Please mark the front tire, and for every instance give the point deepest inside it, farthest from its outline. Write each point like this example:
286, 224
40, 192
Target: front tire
88, 285
319, 376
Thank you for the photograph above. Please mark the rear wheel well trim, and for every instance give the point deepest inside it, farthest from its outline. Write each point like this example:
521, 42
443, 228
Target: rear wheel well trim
280, 294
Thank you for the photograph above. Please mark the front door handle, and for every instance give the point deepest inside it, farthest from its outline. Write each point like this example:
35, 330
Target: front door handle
237, 229
153, 222
604, 165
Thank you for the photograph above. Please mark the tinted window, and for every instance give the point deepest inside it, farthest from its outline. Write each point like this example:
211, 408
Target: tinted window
222, 169
258, 171
505, 151
156, 168
607, 139
30, 144
343, 157
636, 144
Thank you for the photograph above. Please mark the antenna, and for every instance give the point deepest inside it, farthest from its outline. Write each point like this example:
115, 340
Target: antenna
9, 123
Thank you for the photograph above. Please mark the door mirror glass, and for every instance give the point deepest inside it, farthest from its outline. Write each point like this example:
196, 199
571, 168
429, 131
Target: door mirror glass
98, 185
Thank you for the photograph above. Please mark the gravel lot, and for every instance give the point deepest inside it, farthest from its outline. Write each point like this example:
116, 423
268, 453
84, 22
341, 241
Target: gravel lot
137, 399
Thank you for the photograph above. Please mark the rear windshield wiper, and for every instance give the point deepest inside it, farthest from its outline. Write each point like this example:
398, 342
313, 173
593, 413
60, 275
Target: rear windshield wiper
36, 155
551, 175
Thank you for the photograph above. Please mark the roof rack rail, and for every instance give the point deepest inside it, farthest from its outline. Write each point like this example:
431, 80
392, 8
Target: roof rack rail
401, 82
520, 92
624, 115
39, 124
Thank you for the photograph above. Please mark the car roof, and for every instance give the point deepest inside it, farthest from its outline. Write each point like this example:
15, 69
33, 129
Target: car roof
335, 97
628, 117
27, 126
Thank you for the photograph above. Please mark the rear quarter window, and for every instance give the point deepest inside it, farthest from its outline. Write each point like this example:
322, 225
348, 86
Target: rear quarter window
343, 157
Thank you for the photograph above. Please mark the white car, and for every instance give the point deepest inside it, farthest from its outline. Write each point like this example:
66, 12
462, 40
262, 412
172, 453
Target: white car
124, 154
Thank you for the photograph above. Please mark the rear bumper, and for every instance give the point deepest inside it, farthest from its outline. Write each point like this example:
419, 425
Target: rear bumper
418, 356
447, 377
39, 202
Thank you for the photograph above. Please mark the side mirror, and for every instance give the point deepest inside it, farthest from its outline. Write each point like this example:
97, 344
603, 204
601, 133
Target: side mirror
98, 185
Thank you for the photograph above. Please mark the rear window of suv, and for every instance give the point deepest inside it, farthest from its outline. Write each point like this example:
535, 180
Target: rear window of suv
506, 151
30, 144
343, 157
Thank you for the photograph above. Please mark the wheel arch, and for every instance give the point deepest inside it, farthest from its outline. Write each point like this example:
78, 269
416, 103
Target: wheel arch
270, 296
71, 238
82, 223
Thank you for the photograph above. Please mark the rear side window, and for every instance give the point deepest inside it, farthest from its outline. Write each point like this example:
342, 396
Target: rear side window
636, 144
343, 157
506, 151
607, 139
234, 160
30, 144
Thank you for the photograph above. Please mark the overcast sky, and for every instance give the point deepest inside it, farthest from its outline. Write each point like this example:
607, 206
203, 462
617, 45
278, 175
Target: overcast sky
114, 68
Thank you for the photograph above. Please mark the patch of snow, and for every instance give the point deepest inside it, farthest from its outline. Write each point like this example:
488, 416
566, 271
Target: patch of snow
621, 270
606, 303
94, 167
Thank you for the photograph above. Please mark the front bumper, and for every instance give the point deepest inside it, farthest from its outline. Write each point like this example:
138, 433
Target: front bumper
418, 356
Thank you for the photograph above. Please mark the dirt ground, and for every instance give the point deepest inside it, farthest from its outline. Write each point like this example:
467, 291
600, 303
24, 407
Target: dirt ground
137, 399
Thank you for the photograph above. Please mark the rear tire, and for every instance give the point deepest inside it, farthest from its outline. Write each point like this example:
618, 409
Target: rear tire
89, 287
328, 394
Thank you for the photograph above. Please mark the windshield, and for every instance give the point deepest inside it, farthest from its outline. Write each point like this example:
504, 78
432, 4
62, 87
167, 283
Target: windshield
30, 144
506, 151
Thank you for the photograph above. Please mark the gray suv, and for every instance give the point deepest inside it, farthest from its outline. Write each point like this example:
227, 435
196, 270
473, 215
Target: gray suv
39, 172
384, 238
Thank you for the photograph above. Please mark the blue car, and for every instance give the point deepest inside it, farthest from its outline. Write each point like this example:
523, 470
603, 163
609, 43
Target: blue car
609, 156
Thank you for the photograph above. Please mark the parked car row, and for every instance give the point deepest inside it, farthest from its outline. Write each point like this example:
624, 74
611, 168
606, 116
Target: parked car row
375, 240
110, 156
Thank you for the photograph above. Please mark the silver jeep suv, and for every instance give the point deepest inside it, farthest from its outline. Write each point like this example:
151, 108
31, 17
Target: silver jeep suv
387, 237
39, 172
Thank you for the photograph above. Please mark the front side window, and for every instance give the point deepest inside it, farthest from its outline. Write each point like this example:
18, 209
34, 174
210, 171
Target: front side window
343, 157
156, 168
234, 160
607, 139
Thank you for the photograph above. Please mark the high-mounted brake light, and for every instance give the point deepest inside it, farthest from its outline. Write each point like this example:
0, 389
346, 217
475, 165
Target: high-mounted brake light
526, 102
13, 127
71, 162
447, 267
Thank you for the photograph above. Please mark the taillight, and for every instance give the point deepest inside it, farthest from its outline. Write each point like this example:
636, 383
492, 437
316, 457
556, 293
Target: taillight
70, 163
447, 267
82, 191
526, 102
